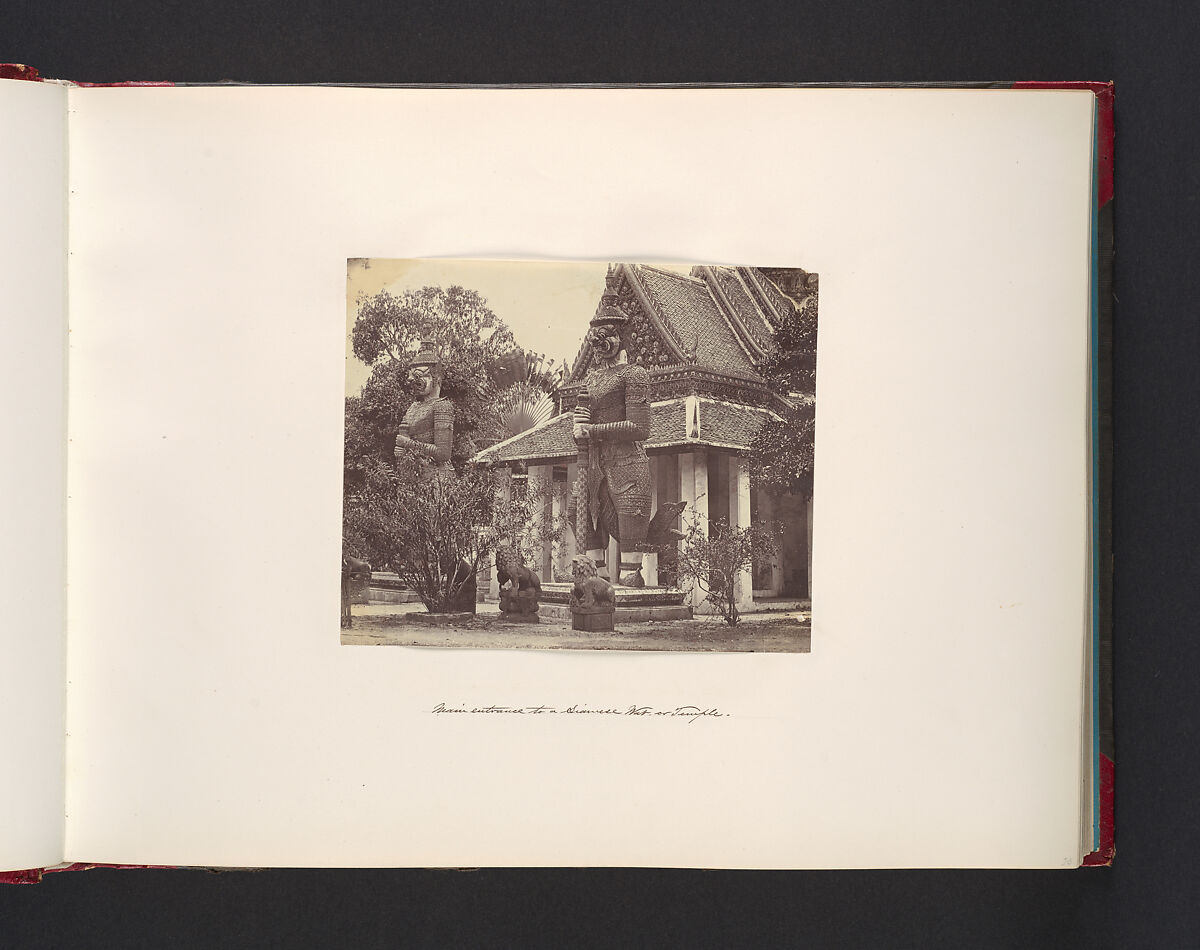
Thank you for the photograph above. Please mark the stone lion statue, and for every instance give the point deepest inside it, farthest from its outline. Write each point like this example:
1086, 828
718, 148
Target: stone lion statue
591, 592
520, 588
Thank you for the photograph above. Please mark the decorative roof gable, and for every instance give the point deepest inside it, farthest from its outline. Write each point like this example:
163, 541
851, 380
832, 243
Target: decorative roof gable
712, 319
653, 343
702, 337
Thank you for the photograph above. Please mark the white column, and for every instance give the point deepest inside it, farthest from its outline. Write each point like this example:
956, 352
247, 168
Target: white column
539, 482
693, 488
503, 481
700, 491
570, 548
653, 485
739, 517
649, 559
766, 515
558, 514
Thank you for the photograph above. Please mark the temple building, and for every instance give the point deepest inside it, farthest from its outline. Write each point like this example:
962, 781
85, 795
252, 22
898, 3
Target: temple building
701, 336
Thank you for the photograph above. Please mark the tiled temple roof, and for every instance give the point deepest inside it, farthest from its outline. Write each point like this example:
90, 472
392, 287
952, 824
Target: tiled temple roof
723, 424
687, 306
751, 314
702, 334
718, 318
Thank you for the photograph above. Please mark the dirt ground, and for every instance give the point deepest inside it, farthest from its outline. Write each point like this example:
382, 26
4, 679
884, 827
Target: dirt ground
782, 632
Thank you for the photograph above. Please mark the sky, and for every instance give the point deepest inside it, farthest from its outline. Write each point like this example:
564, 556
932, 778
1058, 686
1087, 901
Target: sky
547, 305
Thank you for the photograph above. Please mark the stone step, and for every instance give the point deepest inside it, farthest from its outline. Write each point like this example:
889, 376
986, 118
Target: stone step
386, 595
624, 614
386, 580
560, 593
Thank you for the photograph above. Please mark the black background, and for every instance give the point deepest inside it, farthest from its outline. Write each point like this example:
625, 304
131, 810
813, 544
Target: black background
1150, 897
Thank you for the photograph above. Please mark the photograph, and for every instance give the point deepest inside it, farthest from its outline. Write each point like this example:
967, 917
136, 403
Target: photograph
567, 455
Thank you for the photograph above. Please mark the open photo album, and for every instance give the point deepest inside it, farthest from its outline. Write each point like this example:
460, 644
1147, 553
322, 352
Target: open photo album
658, 477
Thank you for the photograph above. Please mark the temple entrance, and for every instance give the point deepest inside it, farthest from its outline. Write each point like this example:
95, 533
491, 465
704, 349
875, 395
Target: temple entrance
787, 573
794, 511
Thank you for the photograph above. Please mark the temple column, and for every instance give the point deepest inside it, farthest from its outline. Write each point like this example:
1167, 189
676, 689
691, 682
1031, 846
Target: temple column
557, 548
503, 481
650, 558
766, 516
653, 485
693, 488
739, 518
612, 561
540, 483
569, 548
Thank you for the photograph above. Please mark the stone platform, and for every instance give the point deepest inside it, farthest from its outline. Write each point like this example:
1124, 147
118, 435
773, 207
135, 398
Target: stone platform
387, 588
634, 604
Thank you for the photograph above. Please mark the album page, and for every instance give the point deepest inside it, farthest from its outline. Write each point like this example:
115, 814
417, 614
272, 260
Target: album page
240, 261
33, 329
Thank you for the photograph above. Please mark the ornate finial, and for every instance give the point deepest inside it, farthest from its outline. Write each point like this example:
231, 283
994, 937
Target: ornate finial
427, 355
608, 311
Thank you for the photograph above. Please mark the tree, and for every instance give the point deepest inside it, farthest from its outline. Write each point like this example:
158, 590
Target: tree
496, 387
436, 527
420, 522
472, 342
713, 560
525, 381
781, 455
392, 325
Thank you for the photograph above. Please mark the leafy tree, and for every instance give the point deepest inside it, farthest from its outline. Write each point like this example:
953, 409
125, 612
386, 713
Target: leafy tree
525, 381
781, 455
418, 521
498, 389
522, 368
424, 523
473, 343
392, 325
712, 560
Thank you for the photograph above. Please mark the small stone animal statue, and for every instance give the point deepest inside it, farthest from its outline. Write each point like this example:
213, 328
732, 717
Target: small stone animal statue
593, 602
520, 588
355, 572
590, 591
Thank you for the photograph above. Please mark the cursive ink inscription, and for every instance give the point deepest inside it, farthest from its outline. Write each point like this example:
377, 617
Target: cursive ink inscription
687, 713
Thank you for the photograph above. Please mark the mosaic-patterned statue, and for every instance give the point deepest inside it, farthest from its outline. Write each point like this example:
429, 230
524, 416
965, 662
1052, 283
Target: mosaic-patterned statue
428, 428
612, 420
427, 435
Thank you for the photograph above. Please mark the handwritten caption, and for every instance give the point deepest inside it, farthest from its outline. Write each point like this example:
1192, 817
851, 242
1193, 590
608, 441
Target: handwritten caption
687, 713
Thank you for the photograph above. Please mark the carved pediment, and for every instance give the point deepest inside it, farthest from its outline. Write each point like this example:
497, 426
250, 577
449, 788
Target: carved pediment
647, 346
